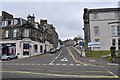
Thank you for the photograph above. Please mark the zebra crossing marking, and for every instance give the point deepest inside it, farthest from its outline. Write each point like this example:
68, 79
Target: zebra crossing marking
57, 64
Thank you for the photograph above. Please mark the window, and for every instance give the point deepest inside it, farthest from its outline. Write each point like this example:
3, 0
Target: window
6, 33
26, 32
97, 40
113, 42
96, 30
36, 25
95, 16
12, 22
119, 44
25, 46
116, 15
35, 48
15, 21
113, 30
118, 30
14, 33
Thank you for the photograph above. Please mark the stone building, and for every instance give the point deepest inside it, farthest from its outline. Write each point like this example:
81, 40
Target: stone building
24, 38
102, 25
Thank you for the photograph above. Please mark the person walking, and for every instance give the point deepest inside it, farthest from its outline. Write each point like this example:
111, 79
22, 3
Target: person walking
113, 56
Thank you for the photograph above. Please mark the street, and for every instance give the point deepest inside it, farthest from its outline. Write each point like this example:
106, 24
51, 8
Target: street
65, 63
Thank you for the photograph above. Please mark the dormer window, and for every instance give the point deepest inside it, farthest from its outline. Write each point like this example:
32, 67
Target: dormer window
4, 23
15, 21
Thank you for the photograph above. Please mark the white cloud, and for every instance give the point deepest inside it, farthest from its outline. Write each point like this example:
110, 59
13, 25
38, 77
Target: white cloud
66, 17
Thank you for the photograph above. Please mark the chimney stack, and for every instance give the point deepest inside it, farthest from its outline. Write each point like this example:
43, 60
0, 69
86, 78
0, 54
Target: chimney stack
30, 18
43, 21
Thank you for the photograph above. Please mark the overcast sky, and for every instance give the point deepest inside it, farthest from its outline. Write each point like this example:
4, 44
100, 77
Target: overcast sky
67, 17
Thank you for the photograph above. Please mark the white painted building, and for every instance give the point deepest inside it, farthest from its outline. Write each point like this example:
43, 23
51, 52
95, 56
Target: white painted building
103, 26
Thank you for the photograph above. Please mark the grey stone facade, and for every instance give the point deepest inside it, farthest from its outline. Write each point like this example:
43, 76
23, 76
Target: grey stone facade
27, 37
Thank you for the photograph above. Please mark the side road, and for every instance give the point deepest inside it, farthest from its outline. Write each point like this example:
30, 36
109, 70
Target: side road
89, 61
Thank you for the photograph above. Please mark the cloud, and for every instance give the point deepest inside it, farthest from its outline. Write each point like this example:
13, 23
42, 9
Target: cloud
67, 17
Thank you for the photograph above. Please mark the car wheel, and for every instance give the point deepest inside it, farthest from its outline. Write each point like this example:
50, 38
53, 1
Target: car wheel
16, 57
8, 59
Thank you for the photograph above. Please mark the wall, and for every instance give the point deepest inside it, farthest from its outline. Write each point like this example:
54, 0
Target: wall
105, 38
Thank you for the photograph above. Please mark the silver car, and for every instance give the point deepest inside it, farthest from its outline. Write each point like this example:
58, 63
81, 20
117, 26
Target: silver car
9, 57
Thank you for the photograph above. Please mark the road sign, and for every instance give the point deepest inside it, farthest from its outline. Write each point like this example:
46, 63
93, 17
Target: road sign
64, 59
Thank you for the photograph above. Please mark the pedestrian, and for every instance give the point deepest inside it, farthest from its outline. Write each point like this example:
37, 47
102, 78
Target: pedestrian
113, 56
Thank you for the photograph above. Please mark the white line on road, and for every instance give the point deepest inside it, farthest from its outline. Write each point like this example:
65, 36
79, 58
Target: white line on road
85, 64
91, 60
71, 64
78, 64
52, 62
58, 64
112, 64
55, 58
64, 64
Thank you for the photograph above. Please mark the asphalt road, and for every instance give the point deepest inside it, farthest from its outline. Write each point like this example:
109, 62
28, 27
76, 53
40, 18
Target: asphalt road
65, 63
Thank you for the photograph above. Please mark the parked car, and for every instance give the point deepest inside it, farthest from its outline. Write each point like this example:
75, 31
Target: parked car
53, 50
58, 48
9, 56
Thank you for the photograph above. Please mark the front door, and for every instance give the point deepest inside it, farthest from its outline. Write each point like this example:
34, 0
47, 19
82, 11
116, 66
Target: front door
26, 49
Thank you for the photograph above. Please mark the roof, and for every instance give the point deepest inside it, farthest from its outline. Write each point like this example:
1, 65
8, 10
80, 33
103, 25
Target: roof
103, 10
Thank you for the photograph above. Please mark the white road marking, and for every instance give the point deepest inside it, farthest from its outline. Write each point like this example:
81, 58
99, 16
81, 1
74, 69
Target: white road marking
64, 64
44, 64
27, 64
91, 60
58, 64
78, 64
112, 64
16, 64
38, 64
55, 58
71, 64
52, 62
33, 64
85, 64
64, 59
